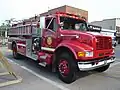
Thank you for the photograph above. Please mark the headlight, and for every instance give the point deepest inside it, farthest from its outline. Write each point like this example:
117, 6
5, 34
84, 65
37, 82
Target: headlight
89, 54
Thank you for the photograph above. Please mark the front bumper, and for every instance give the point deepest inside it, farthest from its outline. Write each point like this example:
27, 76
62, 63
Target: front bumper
90, 65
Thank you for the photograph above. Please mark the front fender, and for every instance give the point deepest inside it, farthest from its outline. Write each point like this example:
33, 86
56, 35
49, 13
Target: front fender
75, 47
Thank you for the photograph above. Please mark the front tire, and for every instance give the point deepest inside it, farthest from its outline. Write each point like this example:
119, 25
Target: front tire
102, 69
66, 68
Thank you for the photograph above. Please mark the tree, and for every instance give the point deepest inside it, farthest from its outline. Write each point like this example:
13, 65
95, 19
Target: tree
6, 25
3, 29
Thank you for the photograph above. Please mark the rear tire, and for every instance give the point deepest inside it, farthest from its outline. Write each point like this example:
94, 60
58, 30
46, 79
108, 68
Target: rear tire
14, 51
102, 69
66, 68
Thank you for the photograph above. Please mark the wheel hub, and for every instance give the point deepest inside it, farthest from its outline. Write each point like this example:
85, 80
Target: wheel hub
64, 67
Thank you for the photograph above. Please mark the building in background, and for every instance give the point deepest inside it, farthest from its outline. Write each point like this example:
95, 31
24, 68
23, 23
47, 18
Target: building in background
65, 8
68, 9
111, 24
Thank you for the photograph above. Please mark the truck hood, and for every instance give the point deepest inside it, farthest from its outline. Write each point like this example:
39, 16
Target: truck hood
83, 37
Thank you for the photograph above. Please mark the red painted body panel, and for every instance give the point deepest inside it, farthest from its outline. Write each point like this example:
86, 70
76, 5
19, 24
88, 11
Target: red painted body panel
75, 46
21, 47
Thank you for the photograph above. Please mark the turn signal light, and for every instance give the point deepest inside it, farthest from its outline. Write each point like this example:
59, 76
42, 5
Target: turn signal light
81, 54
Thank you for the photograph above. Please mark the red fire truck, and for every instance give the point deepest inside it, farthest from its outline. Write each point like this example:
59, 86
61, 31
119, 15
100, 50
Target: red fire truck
63, 42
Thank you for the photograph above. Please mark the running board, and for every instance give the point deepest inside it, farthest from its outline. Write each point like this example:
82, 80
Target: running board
43, 64
43, 57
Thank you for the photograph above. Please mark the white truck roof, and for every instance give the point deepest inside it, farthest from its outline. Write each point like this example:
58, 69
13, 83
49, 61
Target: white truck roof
108, 32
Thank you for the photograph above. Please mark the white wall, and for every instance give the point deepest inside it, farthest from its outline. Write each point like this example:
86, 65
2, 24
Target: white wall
118, 22
108, 32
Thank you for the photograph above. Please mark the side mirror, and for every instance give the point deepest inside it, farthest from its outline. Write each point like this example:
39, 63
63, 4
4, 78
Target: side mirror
61, 24
42, 22
90, 28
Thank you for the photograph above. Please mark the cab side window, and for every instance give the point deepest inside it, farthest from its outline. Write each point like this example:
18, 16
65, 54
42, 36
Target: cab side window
51, 24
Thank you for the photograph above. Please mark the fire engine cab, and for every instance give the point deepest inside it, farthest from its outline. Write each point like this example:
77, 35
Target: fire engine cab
63, 42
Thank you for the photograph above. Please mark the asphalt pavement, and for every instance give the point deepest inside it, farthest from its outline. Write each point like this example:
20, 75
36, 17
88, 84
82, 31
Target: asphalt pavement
36, 77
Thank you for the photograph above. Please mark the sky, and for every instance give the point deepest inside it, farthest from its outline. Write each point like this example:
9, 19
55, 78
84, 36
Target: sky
22, 9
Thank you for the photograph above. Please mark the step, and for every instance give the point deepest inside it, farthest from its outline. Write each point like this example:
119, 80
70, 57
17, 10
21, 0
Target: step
43, 64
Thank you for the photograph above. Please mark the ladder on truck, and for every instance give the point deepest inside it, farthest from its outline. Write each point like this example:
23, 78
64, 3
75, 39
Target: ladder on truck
4, 63
28, 29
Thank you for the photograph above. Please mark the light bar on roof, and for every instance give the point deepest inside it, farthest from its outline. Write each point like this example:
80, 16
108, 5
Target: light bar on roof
70, 15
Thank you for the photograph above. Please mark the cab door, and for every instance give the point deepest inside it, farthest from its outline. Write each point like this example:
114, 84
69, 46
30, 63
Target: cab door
49, 36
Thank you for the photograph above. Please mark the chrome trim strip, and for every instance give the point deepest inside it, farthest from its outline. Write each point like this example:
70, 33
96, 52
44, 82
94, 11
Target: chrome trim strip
68, 35
89, 66
48, 49
18, 44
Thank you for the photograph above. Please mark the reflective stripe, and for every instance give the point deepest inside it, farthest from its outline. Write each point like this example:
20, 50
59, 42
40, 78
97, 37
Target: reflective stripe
21, 45
68, 35
48, 49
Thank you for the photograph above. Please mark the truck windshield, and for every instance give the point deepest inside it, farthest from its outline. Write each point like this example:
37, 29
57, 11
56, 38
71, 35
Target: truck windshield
68, 23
